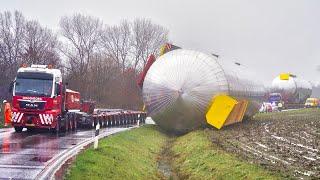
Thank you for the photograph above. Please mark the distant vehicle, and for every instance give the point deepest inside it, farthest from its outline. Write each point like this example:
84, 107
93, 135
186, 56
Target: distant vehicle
312, 103
276, 99
290, 91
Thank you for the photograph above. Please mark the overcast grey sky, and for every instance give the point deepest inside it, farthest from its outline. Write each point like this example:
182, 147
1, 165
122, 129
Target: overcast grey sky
270, 36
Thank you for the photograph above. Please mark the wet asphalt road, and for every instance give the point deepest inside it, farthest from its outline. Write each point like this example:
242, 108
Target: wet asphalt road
25, 155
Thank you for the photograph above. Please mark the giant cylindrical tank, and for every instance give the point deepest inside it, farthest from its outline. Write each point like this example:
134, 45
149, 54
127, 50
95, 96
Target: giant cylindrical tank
292, 89
179, 86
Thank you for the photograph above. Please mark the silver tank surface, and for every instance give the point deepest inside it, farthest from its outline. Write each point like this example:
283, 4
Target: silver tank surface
294, 90
179, 87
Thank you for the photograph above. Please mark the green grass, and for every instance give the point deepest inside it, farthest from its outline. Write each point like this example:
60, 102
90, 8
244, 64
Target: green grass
2, 121
127, 155
197, 158
134, 155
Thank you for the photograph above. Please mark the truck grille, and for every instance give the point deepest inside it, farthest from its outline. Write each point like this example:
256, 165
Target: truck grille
34, 105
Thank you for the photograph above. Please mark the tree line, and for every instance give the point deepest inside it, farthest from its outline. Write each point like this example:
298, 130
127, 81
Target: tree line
100, 61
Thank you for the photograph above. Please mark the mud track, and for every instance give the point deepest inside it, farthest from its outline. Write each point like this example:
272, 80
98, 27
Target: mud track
286, 142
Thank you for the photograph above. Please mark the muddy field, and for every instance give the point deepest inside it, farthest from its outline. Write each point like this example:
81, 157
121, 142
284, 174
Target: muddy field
288, 142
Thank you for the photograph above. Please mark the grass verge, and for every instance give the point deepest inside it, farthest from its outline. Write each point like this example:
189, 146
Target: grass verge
195, 157
1, 120
127, 155
299, 114
136, 154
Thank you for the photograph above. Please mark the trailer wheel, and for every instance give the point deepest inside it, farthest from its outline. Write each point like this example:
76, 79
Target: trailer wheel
31, 129
57, 129
125, 119
66, 124
110, 122
102, 124
18, 129
113, 122
92, 120
75, 124
132, 119
71, 120
118, 120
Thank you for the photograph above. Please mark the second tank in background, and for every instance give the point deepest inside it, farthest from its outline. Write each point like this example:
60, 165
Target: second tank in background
293, 90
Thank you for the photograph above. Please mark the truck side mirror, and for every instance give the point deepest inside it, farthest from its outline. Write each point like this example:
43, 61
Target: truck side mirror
58, 89
11, 86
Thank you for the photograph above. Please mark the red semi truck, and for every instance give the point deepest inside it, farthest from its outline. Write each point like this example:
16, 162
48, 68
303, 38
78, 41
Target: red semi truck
40, 100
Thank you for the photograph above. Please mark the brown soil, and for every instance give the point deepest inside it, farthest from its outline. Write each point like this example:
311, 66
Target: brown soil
286, 142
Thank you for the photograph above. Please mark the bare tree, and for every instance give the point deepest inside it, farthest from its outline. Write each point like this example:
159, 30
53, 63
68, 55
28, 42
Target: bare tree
41, 45
11, 42
147, 39
116, 43
130, 44
81, 35
101, 63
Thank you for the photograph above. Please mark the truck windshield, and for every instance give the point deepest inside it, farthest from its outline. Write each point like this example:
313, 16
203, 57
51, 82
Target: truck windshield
34, 84
273, 98
310, 101
28, 84
33, 87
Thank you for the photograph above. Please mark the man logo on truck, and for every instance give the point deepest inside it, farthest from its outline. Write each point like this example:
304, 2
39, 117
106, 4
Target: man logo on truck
31, 105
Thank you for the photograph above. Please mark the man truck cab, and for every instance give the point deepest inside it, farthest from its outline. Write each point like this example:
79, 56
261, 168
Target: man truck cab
37, 97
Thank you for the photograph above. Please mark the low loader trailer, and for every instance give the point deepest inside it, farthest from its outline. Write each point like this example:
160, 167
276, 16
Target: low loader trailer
40, 100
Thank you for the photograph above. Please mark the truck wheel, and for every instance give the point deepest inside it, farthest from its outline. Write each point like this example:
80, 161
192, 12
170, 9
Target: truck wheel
71, 124
102, 123
75, 124
66, 124
31, 129
18, 129
57, 129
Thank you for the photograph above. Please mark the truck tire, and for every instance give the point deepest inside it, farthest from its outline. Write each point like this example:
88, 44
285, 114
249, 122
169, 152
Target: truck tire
18, 129
57, 129
102, 123
66, 124
71, 122
75, 123
31, 129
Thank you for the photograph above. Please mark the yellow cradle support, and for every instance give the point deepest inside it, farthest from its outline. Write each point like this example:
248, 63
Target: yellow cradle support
284, 76
225, 110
